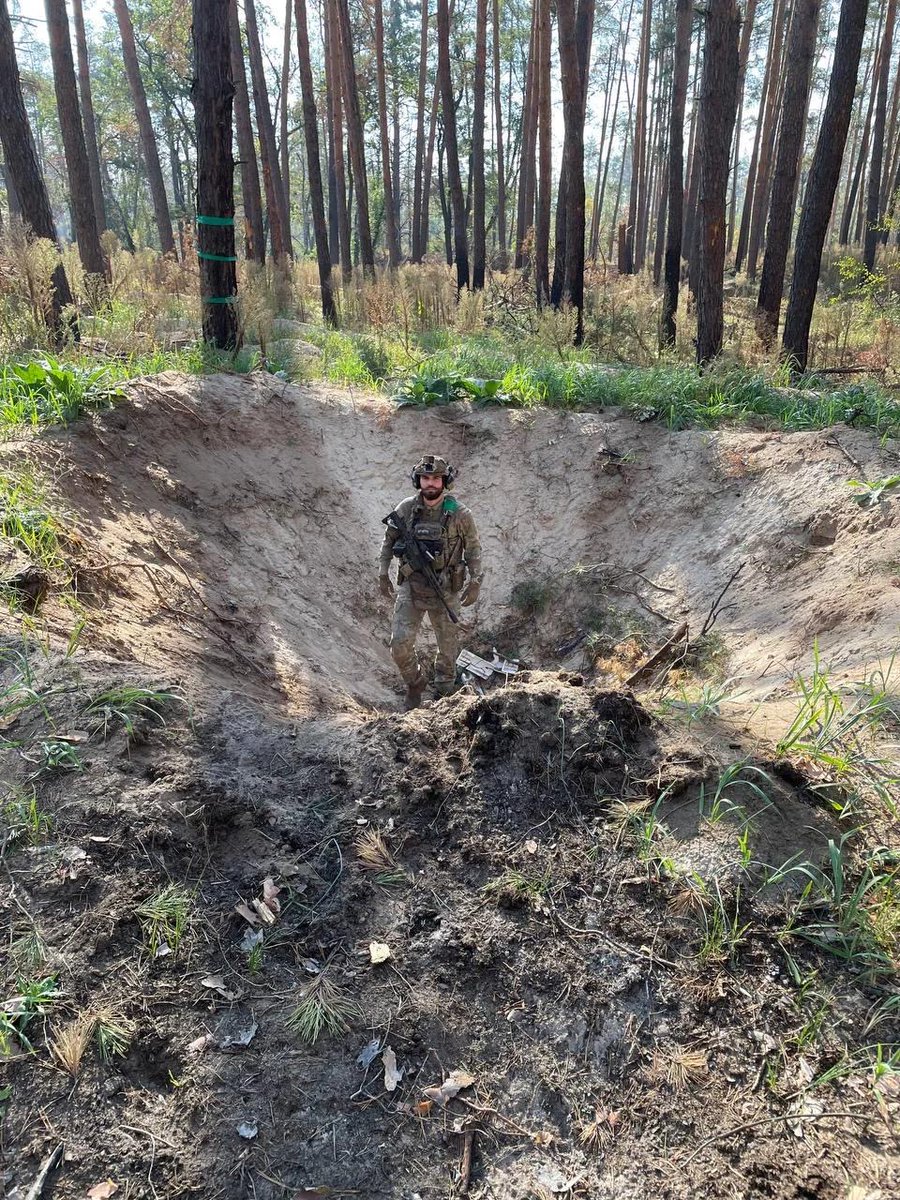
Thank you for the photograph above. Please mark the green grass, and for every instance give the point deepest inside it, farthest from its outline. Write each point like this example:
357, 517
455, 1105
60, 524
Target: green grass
125, 705
51, 391
164, 917
324, 1008
23, 816
26, 520
34, 998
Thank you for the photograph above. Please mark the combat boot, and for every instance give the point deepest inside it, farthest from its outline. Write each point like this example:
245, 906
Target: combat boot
414, 693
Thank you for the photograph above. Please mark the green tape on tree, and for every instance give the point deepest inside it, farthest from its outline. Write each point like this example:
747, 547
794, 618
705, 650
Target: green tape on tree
219, 299
217, 257
214, 220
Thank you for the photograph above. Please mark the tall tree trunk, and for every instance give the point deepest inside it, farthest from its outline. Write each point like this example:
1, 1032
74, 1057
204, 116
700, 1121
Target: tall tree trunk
254, 233
525, 200
454, 179
334, 77
584, 29
767, 144
23, 173
684, 15
283, 119
872, 233
87, 110
743, 55
823, 180
87, 233
272, 182
479, 88
638, 144
145, 129
612, 130
718, 105
855, 176
645, 196
692, 186
212, 93
417, 251
801, 48
357, 142
426, 175
390, 211
314, 165
612, 59
575, 33
764, 128
498, 122
545, 153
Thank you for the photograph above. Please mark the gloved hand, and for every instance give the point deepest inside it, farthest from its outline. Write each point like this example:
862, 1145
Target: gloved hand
386, 587
470, 592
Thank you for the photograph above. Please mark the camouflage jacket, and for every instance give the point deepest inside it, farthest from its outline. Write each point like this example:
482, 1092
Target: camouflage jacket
448, 532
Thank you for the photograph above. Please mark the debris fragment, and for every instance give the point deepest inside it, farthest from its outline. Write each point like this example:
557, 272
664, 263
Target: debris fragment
201, 1043
369, 1053
245, 911
248, 1130
242, 1037
465, 1170
102, 1191
455, 1082
473, 664
216, 983
251, 939
392, 1073
379, 952
269, 907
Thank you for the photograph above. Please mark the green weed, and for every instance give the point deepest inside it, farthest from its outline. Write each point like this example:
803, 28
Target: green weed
23, 816
123, 706
324, 1007
164, 917
513, 888
723, 931
26, 520
870, 492
694, 705
48, 391
113, 1036
35, 998
715, 804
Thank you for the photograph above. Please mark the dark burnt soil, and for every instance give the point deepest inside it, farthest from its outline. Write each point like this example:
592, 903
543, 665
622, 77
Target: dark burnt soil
569, 920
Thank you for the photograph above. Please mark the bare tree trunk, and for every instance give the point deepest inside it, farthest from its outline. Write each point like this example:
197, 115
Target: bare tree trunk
525, 202
454, 179
272, 182
718, 105
87, 109
86, 232
357, 142
254, 233
23, 174
314, 165
542, 221
692, 186
823, 180
801, 48
328, 135
418, 248
390, 211
335, 87
584, 19
872, 232
743, 55
638, 145
426, 178
479, 89
684, 15
855, 178
763, 128
145, 129
212, 93
766, 151
575, 33
611, 62
283, 119
612, 129
498, 121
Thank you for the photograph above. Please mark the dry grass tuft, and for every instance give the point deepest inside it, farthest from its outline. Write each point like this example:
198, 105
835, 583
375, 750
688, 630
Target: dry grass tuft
598, 1134
679, 1067
69, 1045
373, 852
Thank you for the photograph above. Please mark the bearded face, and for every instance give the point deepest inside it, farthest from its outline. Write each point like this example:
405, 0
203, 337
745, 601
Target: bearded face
431, 487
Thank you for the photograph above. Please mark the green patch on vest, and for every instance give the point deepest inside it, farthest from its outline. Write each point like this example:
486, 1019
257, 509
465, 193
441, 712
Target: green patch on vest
451, 504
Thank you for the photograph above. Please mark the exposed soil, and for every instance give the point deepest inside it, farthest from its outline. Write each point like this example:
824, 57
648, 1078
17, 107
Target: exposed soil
553, 868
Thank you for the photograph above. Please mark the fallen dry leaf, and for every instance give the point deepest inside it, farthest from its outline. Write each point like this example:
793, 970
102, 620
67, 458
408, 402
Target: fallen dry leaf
379, 952
245, 911
102, 1191
455, 1082
392, 1074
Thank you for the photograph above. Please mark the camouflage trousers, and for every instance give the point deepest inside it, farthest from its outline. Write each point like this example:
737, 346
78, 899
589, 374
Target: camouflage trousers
409, 609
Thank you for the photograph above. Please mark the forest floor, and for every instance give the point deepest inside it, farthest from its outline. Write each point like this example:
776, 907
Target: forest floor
543, 930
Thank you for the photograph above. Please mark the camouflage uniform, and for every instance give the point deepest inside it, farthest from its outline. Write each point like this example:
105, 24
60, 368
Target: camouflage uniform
448, 529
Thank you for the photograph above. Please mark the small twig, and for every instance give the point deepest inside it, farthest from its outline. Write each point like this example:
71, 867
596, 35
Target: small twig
465, 1170
617, 946
713, 614
36, 1189
857, 466
726, 1133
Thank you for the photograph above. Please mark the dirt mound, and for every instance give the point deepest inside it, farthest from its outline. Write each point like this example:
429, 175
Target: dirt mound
568, 923
231, 528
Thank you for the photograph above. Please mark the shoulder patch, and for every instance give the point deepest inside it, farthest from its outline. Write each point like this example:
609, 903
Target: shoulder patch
451, 504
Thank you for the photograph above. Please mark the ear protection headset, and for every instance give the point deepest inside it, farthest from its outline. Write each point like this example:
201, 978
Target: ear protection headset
431, 465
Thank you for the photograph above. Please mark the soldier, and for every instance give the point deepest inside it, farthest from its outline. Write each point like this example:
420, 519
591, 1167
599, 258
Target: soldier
445, 531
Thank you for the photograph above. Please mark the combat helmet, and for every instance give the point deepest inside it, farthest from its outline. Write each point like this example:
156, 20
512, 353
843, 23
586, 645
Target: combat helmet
432, 464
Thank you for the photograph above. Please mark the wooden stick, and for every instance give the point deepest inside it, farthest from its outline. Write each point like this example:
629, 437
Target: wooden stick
37, 1188
663, 652
465, 1170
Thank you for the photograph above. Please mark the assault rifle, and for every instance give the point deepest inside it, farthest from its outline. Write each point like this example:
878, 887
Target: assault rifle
419, 557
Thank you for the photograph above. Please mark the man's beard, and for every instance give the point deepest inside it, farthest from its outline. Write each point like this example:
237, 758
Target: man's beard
431, 493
